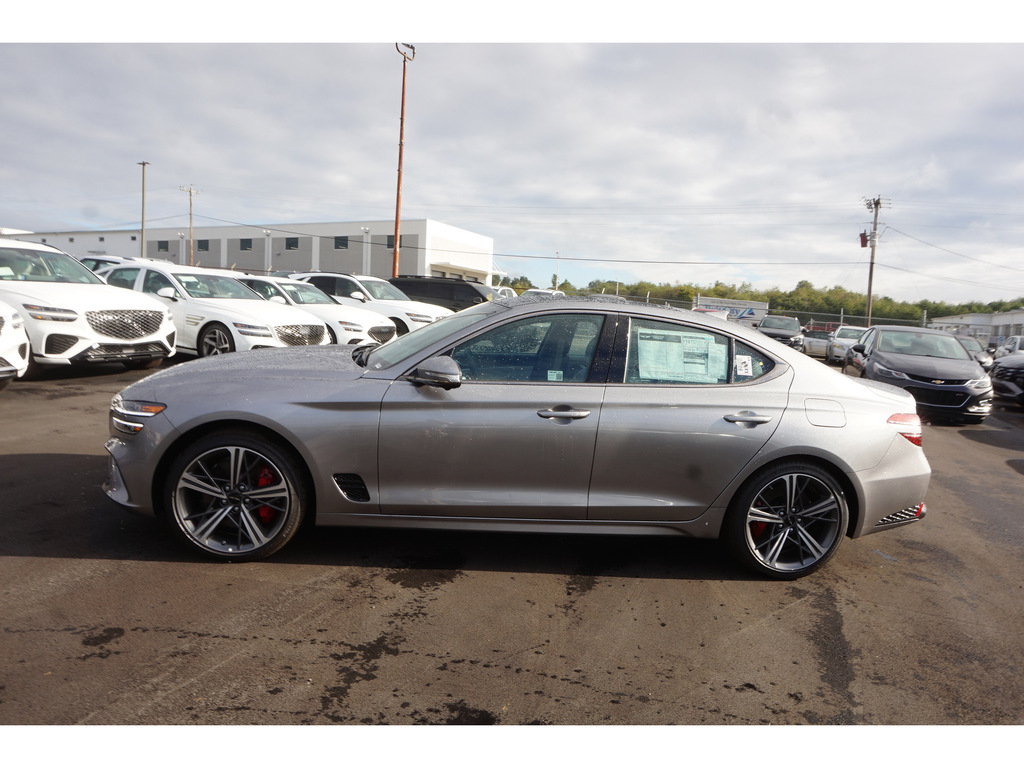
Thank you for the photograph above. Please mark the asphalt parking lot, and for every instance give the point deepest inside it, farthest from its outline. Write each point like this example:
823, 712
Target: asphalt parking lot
105, 620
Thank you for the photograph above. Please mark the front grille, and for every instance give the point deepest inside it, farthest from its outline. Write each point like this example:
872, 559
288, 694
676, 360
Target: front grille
938, 398
381, 333
58, 343
353, 487
300, 335
908, 515
943, 382
125, 323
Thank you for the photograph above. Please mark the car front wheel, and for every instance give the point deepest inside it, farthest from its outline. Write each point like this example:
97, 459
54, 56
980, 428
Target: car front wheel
215, 340
235, 496
787, 521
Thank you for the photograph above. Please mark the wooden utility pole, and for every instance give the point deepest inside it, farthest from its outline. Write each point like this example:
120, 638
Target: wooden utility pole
192, 192
406, 58
872, 205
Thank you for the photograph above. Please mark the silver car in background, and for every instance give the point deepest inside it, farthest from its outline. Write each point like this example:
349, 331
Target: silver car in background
539, 415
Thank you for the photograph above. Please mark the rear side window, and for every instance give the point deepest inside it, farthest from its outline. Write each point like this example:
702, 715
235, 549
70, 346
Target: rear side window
123, 278
671, 353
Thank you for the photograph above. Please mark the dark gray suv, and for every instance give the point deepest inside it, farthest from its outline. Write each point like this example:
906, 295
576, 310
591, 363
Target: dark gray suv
450, 292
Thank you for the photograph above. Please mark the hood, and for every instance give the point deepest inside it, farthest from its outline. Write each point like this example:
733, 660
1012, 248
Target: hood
81, 297
779, 333
930, 367
259, 311
255, 370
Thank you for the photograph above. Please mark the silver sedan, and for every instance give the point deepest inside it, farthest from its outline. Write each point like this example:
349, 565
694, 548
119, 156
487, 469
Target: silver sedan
532, 415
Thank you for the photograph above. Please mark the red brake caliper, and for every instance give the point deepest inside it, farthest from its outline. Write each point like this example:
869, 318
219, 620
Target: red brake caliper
266, 478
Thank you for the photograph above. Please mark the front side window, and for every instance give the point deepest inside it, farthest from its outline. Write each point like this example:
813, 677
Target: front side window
550, 348
670, 353
154, 282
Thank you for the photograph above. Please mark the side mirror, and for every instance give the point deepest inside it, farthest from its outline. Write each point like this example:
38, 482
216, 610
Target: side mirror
168, 293
441, 371
278, 300
858, 348
358, 296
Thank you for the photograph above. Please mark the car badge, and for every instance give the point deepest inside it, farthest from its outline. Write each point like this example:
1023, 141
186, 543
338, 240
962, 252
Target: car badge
938, 381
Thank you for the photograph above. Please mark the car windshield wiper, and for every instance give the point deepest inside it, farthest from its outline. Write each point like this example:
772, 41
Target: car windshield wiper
362, 352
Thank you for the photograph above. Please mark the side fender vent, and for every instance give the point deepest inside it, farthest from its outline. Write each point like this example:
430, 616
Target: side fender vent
352, 487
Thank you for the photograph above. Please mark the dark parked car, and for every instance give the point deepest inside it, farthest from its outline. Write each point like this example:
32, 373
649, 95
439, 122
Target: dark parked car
527, 415
450, 292
1008, 377
978, 352
783, 329
931, 365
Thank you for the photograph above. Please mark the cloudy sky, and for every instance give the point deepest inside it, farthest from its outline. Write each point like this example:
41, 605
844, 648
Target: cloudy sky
669, 162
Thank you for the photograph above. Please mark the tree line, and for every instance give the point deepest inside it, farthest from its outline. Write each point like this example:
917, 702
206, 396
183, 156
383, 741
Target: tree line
805, 301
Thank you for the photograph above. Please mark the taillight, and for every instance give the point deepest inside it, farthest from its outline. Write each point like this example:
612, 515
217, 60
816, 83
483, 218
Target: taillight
912, 423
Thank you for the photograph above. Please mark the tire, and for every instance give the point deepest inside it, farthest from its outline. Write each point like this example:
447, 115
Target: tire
215, 340
234, 496
787, 521
400, 327
333, 336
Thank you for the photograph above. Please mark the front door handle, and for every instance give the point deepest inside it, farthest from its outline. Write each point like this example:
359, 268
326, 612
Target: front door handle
563, 412
747, 417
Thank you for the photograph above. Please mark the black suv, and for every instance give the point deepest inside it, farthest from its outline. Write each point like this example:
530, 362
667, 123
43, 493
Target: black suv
450, 292
784, 329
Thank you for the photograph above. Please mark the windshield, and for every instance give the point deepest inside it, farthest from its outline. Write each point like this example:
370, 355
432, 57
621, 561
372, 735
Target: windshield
849, 333
922, 345
783, 323
200, 286
382, 289
397, 350
306, 293
28, 265
972, 344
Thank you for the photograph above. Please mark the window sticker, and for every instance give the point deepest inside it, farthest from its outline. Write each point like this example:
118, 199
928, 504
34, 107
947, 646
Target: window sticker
744, 366
554, 376
678, 356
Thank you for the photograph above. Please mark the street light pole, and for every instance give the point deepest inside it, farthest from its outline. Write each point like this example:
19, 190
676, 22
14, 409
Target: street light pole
406, 58
366, 250
142, 246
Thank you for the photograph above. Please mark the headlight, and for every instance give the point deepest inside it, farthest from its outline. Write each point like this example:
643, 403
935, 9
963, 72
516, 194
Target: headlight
253, 330
881, 370
55, 314
984, 382
350, 327
126, 414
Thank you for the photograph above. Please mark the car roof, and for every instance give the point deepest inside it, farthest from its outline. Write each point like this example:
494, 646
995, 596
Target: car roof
29, 245
912, 328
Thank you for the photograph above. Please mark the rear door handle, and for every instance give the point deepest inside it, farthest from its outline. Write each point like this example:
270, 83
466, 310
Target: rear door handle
563, 412
747, 417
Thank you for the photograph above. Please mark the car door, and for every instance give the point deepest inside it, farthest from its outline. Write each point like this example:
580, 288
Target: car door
689, 409
515, 440
186, 322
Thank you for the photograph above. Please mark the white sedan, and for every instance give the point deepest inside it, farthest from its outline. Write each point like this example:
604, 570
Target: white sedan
346, 325
72, 317
214, 313
13, 345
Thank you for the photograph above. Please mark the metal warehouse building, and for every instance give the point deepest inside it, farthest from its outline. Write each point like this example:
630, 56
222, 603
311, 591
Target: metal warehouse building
362, 247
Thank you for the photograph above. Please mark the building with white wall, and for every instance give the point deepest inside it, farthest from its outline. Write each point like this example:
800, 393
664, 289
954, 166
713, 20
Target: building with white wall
363, 247
988, 328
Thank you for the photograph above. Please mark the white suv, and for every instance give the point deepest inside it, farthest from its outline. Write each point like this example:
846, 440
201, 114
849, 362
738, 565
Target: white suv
13, 345
376, 294
346, 325
214, 313
73, 317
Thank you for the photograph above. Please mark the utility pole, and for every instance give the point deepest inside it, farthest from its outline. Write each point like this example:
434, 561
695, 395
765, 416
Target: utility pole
142, 246
406, 58
873, 205
192, 192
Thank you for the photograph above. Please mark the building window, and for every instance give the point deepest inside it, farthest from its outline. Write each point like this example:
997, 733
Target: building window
245, 244
341, 243
291, 243
71, 239
161, 246
134, 238
203, 245
391, 242
103, 239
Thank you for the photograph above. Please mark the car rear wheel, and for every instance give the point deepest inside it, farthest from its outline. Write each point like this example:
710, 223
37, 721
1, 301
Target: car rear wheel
235, 496
787, 521
215, 340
